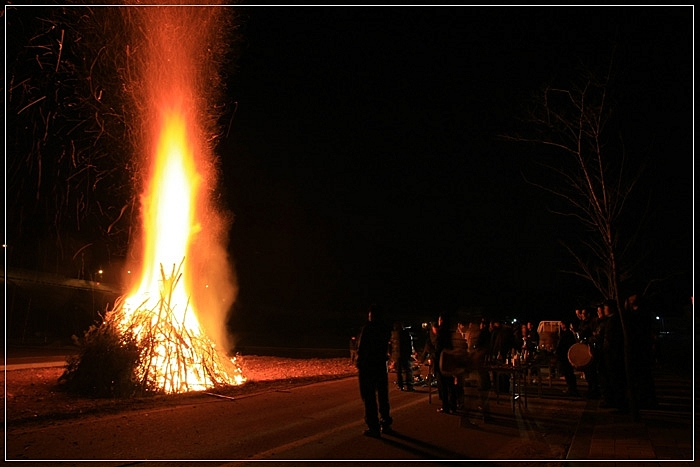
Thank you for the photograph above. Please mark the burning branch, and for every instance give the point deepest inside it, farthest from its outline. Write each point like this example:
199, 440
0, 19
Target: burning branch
148, 350
176, 358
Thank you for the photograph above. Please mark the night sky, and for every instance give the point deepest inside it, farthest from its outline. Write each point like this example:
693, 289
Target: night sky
363, 162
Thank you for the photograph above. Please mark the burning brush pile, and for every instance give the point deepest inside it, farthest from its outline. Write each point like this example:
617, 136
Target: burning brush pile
148, 350
152, 341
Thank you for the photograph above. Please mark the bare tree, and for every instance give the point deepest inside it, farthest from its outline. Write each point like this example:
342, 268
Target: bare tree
593, 180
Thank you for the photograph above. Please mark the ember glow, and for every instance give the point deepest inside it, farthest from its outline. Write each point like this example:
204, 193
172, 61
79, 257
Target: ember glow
181, 253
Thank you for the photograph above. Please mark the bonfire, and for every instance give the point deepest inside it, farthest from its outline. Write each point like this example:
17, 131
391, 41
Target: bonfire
175, 357
184, 275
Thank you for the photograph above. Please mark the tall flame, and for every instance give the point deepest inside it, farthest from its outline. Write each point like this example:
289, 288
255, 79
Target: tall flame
181, 251
168, 213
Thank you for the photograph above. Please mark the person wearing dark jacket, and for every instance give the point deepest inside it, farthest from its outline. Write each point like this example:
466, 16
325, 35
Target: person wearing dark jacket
481, 349
447, 386
533, 338
402, 353
428, 353
567, 338
502, 341
642, 337
500, 349
373, 348
586, 334
612, 363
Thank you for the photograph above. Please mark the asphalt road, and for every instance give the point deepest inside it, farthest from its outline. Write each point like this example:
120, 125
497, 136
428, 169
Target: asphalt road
320, 421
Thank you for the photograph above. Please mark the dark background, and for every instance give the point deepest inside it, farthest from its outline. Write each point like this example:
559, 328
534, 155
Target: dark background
363, 161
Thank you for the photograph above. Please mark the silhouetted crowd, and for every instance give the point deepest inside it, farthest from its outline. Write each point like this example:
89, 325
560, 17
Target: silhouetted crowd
614, 352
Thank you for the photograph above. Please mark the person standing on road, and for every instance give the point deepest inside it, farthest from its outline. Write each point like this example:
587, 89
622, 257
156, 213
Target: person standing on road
501, 346
586, 331
598, 354
642, 338
612, 362
402, 348
533, 338
481, 349
353, 349
447, 386
428, 355
567, 338
373, 347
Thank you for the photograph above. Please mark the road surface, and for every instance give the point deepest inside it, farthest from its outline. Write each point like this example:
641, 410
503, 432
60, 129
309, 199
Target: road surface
313, 422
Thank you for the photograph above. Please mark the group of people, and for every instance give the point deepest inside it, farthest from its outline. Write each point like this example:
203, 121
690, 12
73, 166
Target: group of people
377, 343
497, 342
606, 373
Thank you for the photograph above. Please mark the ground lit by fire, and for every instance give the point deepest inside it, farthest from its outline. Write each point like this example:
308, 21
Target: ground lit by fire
33, 395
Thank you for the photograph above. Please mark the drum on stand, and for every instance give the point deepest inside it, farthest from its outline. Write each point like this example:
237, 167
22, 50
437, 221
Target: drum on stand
580, 355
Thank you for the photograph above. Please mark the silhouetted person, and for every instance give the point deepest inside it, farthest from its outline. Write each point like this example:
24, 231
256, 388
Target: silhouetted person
481, 349
502, 343
430, 344
642, 336
447, 386
402, 347
586, 330
353, 349
612, 362
567, 338
533, 338
372, 355
428, 354
460, 345
521, 339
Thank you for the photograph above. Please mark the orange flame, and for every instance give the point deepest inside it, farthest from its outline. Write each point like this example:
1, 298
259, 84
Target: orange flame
168, 215
181, 251
159, 311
